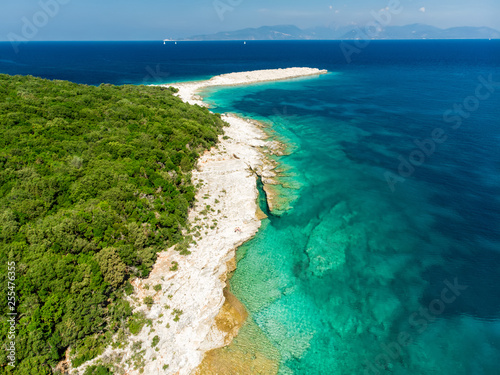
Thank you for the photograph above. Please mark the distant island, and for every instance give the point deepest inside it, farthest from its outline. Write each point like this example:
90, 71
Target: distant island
291, 32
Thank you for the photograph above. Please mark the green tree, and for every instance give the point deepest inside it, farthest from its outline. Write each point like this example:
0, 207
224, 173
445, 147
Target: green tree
112, 267
94, 182
97, 370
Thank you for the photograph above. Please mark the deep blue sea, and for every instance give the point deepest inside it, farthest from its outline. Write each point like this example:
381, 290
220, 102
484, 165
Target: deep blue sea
387, 260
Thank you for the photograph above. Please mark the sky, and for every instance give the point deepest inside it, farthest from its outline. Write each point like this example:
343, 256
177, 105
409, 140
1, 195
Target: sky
159, 19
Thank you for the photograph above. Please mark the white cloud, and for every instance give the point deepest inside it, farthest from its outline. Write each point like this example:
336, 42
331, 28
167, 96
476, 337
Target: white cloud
422, 9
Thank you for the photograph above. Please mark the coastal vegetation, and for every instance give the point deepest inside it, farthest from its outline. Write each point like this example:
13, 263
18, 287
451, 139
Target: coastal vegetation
94, 181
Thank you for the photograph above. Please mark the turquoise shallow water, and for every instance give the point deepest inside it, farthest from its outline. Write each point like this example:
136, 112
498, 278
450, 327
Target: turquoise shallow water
356, 278
337, 282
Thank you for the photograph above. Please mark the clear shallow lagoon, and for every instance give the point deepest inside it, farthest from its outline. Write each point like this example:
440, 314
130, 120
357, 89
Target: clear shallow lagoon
354, 270
338, 282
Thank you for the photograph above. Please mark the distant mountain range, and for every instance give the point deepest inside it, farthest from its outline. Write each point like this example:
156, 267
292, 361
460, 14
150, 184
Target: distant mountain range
290, 32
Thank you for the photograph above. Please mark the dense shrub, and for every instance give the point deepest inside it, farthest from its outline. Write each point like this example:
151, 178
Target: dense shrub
94, 181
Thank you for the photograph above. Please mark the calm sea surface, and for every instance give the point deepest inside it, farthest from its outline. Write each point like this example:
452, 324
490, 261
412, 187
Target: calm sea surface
388, 260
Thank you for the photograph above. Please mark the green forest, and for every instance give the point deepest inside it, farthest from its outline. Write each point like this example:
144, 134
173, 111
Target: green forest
94, 181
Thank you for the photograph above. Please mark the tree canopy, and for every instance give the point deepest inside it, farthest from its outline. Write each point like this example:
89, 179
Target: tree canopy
94, 181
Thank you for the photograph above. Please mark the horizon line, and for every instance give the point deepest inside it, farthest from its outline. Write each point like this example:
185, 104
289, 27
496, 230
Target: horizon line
239, 40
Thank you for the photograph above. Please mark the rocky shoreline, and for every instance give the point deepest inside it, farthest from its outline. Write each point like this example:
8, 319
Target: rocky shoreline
192, 313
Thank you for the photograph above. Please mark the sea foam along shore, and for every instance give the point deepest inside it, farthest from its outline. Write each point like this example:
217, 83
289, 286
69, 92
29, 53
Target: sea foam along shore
226, 215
